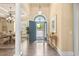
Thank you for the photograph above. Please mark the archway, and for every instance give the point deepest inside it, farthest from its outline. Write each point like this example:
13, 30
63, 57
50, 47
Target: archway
41, 28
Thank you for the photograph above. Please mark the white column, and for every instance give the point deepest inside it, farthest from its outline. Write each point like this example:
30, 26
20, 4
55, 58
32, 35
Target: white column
18, 31
75, 33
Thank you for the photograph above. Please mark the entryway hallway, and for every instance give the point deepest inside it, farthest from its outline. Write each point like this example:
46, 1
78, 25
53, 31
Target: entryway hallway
48, 21
39, 48
25, 22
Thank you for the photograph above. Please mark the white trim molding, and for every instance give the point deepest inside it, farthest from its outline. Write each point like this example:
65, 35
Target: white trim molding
18, 31
59, 51
21, 53
76, 29
64, 53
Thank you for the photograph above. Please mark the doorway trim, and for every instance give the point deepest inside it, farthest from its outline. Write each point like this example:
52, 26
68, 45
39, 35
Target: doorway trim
45, 18
75, 29
38, 16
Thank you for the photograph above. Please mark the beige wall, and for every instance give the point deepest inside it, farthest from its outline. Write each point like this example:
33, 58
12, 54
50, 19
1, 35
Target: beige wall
34, 8
64, 25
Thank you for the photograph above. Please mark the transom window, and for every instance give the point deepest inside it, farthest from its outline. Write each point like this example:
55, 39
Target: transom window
39, 18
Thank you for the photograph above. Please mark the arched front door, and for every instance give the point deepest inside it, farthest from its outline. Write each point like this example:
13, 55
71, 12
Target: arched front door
41, 27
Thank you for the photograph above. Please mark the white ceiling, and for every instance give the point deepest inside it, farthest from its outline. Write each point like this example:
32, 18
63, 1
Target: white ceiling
5, 7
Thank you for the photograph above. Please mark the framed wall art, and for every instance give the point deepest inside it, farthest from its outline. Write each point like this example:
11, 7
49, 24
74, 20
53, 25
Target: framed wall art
54, 24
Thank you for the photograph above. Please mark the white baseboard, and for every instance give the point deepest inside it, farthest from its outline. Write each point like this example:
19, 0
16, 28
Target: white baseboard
67, 53
59, 51
64, 53
19, 54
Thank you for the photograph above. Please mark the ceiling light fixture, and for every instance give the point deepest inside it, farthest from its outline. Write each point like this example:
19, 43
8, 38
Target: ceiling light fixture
10, 17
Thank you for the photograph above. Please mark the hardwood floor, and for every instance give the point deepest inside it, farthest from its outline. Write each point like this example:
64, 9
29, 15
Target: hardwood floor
7, 49
6, 52
38, 49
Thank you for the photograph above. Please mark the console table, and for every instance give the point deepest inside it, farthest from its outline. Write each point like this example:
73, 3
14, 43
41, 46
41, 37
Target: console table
53, 40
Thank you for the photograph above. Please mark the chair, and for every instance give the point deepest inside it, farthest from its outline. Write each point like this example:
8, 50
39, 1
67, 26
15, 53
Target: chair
3, 38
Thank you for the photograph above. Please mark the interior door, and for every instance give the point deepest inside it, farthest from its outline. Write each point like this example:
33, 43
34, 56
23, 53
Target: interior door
32, 31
